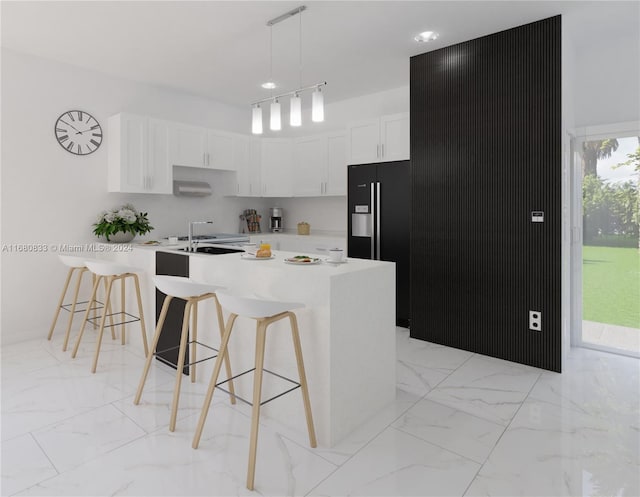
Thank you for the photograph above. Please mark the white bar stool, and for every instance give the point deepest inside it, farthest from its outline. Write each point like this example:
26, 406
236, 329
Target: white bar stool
265, 312
193, 293
74, 264
111, 272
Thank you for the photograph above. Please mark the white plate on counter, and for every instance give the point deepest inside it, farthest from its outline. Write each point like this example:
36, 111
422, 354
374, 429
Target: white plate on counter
252, 257
303, 262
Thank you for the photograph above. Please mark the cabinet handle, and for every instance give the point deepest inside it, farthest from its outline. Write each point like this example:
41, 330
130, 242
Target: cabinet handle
382, 146
237, 187
204, 159
378, 151
208, 159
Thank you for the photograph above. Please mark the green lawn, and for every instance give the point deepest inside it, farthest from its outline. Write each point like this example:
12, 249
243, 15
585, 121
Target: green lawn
611, 285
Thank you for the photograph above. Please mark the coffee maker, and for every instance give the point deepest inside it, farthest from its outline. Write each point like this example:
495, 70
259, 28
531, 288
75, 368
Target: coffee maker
275, 220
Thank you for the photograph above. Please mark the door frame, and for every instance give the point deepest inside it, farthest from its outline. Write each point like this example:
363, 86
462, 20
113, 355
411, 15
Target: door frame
579, 136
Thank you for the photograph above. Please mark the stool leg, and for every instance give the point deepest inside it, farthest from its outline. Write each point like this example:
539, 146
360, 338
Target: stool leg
154, 346
261, 329
122, 309
60, 302
214, 379
101, 330
303, 378
73, 308
194, 337
92, 299
95, 310
107, 310
184, 338
143, 326
227, 362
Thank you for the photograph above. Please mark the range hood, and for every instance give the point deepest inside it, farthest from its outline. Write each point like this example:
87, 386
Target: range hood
191, 188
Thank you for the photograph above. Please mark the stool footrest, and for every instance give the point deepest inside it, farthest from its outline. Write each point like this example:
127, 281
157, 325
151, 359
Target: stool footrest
98, 307
133, 320
297, 385
173, 364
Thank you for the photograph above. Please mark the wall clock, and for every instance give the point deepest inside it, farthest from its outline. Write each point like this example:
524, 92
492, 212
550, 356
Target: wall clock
78, 132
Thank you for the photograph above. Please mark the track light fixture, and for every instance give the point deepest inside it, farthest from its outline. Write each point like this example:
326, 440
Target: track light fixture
295, 102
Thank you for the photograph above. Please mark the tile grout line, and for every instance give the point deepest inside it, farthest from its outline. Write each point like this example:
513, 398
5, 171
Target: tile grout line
504, 431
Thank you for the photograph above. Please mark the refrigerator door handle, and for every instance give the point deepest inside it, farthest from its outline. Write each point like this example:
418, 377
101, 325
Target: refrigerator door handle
373, 217
378, 211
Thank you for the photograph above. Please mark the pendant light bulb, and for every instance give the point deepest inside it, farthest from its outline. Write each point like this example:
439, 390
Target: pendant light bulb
256, 122
317, 106
275, 122
295, 116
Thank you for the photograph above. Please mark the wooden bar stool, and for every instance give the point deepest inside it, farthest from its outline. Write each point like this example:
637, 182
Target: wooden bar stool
193, 293
111, 272
265, 312
74, 264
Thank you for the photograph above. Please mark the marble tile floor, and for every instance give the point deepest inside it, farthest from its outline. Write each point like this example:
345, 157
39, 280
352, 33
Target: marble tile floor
462, 424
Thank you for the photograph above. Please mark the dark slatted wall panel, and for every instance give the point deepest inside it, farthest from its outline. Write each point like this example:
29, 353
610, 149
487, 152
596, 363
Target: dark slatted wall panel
485, 152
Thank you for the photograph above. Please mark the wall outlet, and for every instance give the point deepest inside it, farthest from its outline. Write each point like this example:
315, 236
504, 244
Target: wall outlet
535, 320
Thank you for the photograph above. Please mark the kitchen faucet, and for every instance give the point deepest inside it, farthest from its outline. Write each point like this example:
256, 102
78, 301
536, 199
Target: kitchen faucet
191, 223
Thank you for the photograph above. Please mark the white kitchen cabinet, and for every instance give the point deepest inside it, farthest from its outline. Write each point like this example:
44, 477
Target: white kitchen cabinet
194, 146
220, 150
276, 171
247, 152
138, 155
188, 145
379, 140
320, 165
310, 166
336, 180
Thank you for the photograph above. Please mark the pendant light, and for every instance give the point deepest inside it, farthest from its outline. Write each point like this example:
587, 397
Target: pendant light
295, 106
295, 103
275, 122
317, 106
256, 122
295, 111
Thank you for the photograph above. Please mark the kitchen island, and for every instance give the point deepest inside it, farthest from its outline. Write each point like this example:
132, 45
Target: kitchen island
347, 331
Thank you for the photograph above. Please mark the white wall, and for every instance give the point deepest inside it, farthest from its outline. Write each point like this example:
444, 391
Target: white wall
607, 80
50, 196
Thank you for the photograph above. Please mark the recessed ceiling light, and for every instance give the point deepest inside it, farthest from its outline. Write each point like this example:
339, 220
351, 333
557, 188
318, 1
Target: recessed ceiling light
269, 85
427, 36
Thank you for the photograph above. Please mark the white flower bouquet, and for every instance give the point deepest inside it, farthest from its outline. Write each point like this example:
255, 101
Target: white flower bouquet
125, 219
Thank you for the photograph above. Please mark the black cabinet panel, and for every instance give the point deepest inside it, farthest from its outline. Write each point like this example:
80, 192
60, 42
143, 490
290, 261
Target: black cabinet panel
171, 265
485, 153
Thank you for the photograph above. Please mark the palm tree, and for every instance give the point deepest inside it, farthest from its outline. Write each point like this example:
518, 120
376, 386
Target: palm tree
594, 150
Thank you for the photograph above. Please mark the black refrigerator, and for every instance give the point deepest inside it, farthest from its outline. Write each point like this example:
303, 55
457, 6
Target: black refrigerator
379, 210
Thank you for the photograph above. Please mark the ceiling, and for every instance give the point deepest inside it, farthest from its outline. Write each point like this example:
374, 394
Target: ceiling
220, 49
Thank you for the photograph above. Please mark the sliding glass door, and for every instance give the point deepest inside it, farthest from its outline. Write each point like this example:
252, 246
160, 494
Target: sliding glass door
607, 248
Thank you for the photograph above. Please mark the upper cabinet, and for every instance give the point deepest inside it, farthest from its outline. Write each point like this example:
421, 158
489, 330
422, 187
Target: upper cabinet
247, 152
138, 155
379, 140
320, 165
194, 146
276, 171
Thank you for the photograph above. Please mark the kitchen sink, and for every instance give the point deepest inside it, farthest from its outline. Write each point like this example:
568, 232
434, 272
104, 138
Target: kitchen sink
213, 250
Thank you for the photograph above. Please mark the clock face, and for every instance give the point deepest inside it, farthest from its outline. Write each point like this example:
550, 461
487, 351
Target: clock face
78, 132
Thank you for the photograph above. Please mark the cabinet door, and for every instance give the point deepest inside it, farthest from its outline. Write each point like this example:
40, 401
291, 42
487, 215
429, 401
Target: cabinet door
220, 150
364, 141
255, 167
241, 159
310, 166
127, 155
336, 183
277, 168
159, 169
188, 145
394, 136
